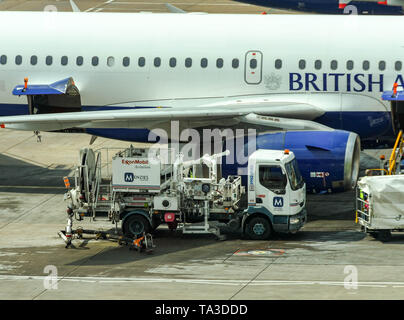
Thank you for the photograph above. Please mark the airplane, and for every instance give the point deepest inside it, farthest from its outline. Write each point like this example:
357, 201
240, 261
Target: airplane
309, 83
382, 7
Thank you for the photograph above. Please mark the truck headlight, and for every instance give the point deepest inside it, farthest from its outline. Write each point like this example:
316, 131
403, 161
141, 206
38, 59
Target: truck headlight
294, 220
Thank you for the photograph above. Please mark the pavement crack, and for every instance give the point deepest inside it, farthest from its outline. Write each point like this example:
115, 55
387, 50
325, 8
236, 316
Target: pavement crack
253, 279
11, 147
28, 212
230, 255
69, 273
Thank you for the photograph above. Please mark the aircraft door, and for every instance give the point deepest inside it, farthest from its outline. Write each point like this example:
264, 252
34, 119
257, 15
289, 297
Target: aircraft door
253, 67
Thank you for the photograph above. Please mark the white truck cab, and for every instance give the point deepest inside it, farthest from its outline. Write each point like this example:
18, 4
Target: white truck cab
276, 192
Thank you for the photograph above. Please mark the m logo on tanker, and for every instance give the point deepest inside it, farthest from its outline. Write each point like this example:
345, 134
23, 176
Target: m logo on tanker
129, 177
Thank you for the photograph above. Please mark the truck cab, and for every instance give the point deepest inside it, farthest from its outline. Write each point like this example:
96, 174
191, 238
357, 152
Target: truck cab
276, 194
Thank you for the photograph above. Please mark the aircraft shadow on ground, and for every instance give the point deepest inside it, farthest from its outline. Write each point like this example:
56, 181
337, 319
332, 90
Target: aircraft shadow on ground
23, 177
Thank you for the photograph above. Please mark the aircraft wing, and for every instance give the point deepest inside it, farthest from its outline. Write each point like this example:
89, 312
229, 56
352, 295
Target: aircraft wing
272, 115
258, 111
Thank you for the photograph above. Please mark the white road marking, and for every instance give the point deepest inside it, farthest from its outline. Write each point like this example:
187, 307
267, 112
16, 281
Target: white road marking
226, 282
109, 2
98, 7
184, 3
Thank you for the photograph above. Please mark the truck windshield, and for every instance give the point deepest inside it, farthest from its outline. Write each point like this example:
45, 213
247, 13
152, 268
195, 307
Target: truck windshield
295, 178
272, 178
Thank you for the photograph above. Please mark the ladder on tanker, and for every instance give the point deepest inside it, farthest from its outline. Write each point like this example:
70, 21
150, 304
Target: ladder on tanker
396, 157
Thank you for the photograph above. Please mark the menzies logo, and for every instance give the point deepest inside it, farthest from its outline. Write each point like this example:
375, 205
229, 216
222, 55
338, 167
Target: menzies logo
129, 177
278, 202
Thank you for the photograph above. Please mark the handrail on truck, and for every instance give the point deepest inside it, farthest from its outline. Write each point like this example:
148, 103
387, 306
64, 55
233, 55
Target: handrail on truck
397, 150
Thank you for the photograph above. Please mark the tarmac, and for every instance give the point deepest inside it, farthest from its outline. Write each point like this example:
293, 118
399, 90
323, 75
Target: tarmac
330, 258
319, 262
209, 6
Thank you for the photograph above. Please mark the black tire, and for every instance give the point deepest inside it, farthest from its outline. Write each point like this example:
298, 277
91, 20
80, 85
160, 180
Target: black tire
135, 225
258, 228
384, 235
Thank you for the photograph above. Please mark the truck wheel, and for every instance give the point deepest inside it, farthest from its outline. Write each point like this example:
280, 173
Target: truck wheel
135, 225
384, 235
258, 228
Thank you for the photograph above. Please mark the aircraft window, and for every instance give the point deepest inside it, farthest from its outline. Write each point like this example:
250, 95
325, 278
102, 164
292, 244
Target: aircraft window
157, 62
18, 60
173, 62
219, 63
79, 60
365, 65
302, 64
278, 63
317, 64
125, 61
34, 60
204, 62
49, 60
235, 63
142, 62
188, 62
382, 65
253, 63
110, 61
94, 61
64, 60
3, 59
334, 64
349, 64
398, 65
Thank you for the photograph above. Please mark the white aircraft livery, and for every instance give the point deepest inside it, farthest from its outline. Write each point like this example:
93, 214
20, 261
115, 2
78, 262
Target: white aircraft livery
315, 81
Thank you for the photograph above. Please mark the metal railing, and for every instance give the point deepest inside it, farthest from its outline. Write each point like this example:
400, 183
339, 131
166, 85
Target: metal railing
396, 153
363, 207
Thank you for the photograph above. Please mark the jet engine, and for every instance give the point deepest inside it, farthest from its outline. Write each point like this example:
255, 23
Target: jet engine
328, 160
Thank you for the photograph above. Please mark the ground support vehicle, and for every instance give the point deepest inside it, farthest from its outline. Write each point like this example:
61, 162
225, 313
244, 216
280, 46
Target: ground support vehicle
380, 205
380, 198
143, 188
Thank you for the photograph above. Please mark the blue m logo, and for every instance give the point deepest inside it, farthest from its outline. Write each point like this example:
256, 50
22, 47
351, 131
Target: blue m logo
129, 177
278, 202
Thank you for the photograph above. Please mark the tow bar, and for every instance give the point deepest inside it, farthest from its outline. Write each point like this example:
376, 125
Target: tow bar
142, 243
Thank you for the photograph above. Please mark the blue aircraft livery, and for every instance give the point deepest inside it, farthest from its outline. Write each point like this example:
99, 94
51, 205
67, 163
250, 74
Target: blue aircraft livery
348, 82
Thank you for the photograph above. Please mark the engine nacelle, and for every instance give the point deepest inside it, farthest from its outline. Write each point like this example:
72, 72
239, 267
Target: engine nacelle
328, 160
